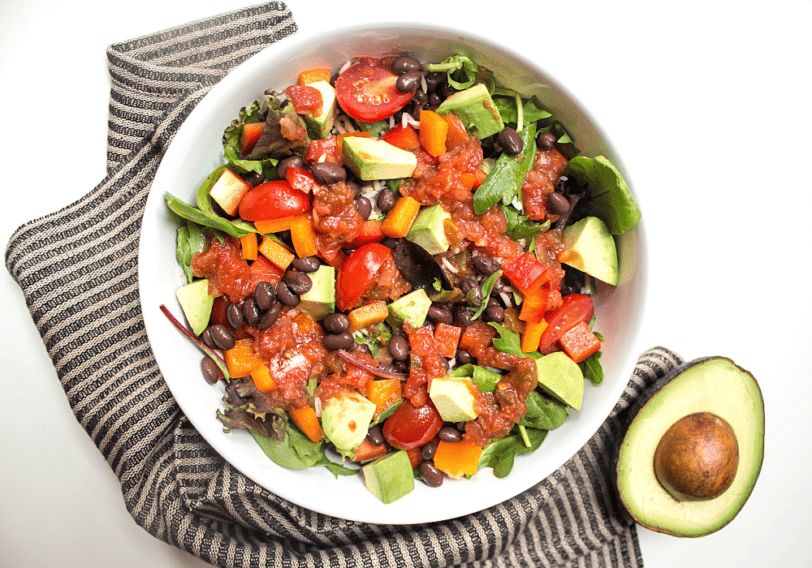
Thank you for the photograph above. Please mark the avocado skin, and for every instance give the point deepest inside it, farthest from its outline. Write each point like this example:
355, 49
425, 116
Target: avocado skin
644, 399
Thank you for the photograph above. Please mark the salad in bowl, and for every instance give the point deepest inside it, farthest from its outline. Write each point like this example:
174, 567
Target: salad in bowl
393, 268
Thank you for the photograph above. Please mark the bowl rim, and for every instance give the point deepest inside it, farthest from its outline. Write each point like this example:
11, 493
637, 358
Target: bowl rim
232, 451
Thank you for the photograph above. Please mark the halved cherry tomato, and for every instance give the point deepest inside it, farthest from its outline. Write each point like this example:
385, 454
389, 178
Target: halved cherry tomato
368, 93
411, 427
272, 200
576, 308
300, 178
357, 272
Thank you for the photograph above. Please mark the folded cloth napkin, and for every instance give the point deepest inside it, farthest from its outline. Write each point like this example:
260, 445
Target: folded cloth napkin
78, 271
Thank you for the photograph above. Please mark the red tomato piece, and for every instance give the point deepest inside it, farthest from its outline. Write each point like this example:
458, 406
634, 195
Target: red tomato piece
368, 93
273, 200
300, 178
575, 308
327, 147
370, 233
305, 99
357, 272
411, 427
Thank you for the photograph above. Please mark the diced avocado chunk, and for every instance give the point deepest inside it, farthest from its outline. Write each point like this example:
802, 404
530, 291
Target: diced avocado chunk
411, 308
475, 108
196, 304
320, 300
428, 229
484, 379
319, 124
389, 477
345, 419
454, 398
590, 247
372, 159
561, 377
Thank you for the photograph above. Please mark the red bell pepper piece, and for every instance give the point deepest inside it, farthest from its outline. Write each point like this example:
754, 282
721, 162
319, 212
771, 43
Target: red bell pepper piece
526, 273
579, 342
404, 136
300, 178
327, 147
370, 233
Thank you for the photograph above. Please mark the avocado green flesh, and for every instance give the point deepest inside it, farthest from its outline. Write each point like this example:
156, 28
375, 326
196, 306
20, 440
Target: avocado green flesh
717, 386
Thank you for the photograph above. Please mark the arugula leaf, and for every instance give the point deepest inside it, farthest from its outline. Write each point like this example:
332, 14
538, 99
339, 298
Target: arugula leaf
500, 454
520, 226
531, 108
206, 219
504, 182
486, 287
461, 71
510, 342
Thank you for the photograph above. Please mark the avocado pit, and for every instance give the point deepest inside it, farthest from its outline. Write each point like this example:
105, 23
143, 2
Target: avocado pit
697, 458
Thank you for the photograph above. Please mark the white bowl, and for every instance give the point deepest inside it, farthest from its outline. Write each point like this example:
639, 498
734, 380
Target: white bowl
196, 151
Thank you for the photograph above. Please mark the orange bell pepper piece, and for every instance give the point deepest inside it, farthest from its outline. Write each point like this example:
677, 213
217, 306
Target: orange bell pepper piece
307, 421
531, 337
456, 459
313, 75
400, 219
457, 135
248, 244
369, 314
384, 393
241, 359
277, 253
263, 379
302, 235
433, 132
274, 225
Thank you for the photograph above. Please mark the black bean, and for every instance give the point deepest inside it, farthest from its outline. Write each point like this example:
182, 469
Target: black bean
445, 90
420, 98
399, 347
557, 203
354, 186
286, 296
250, 311
336, 322
282, 166
449, 434
390, 243
463, 315
375, 436
264, 295
460, 426
440, 314
409, 82
336, 341
205, 337
307, 264
428, 450
270, 316
298, 282
473, 293
234, 316
222, 337
546, 140
510, 141
386, 200
464, 358
495, 314
430, 474
493, 301
254, 178
327, 173
406, 64
435, 100
485, 265
364, 207
210, 371
434, 79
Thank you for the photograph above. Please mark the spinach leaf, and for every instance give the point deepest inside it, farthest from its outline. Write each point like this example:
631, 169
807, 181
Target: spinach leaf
338, 469
207, 219
485, 379
504, 182
500, 454
532, 111
592, 369
191, 240
520, 226
461, 71
543, 413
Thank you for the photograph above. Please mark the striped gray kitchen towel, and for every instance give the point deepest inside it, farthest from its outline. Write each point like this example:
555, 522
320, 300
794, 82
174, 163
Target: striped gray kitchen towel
78, 271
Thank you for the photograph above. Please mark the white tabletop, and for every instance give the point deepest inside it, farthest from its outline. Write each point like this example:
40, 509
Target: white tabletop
709, 106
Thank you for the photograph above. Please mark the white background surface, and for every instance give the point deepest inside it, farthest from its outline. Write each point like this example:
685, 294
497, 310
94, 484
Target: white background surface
708, 104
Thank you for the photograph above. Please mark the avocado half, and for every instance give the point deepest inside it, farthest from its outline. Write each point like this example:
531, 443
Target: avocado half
712, 385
